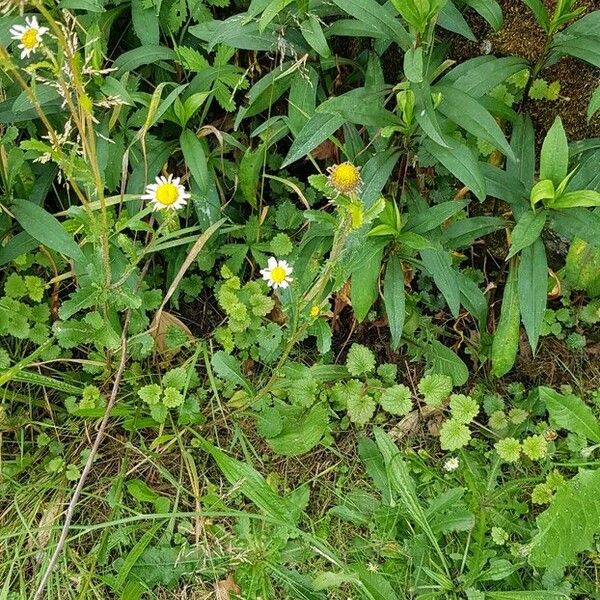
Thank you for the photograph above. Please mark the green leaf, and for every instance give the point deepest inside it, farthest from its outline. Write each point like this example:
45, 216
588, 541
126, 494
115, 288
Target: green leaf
516, 595
581, 39
252, 484
413, 64
444, 361
20, 244
526, 231
571, 413
313, 33
469, 114
542, 190
577, 222
301, 432
450, 18
540, 13
46, 229
195, 159
554, 158
461, 162
250, 168
394, 299
439, 264
302, 99
377, 17
270, 12
318, 128
237, 32
533, 284
523, 144
580, 198
145, 22
464, 232
144, 55
426, 220
490, 10
594, 105
228, 368
364, 288
80, 299
506, 337
480, 75
569, 525
425, 114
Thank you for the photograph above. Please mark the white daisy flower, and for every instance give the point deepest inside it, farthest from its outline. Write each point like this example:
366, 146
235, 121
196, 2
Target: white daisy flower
30, 35
277, 274
166, 193
451, 464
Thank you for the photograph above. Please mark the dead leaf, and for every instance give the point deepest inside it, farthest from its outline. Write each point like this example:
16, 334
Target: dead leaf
225, 588
162, 321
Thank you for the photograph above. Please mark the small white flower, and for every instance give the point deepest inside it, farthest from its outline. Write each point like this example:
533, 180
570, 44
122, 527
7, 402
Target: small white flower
166, 193
30, 35
277, 274
451, 464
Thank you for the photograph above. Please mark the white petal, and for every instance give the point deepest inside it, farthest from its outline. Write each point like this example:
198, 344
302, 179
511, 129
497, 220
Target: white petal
176, 180
272, 262
283, 284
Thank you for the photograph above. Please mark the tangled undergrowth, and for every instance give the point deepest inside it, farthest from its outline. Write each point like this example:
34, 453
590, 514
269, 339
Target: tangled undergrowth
299, 299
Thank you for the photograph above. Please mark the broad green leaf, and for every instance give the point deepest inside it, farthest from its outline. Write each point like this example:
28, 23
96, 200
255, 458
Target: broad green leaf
434, 216
582, 269
195, 159
394, 298
302, 99
80, 299
577, 223
451, 18
554, 158
144, 55
378, 18
145, 22
319, 127
228, 367
581, 39
522, 143
270, 12
237, 32
568, 526
517, 595
500, 184
252, 484
506, 337
425, 114
594, 105
473, 299
540, 13
22, 243
444, 361
571, 413
490, 10
480, 75
46, 229
376, 173
533, 285
364, 290
542, 190
526, 231
250, 168
413, 64
464, 232
580, 198
461, 162
313, 33
468, 113
439, 264
301, 433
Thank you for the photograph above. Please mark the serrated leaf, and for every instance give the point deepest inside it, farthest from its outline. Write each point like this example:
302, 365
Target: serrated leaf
571, 413
569, 525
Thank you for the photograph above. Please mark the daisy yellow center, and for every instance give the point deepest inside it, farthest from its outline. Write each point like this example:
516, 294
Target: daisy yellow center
167, 193
315, 311
345, 177
29, 39
278, 274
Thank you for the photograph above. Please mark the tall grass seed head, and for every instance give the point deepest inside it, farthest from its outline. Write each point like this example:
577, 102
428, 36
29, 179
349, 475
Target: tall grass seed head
29, 35
167, 193
277, 274
345, 178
